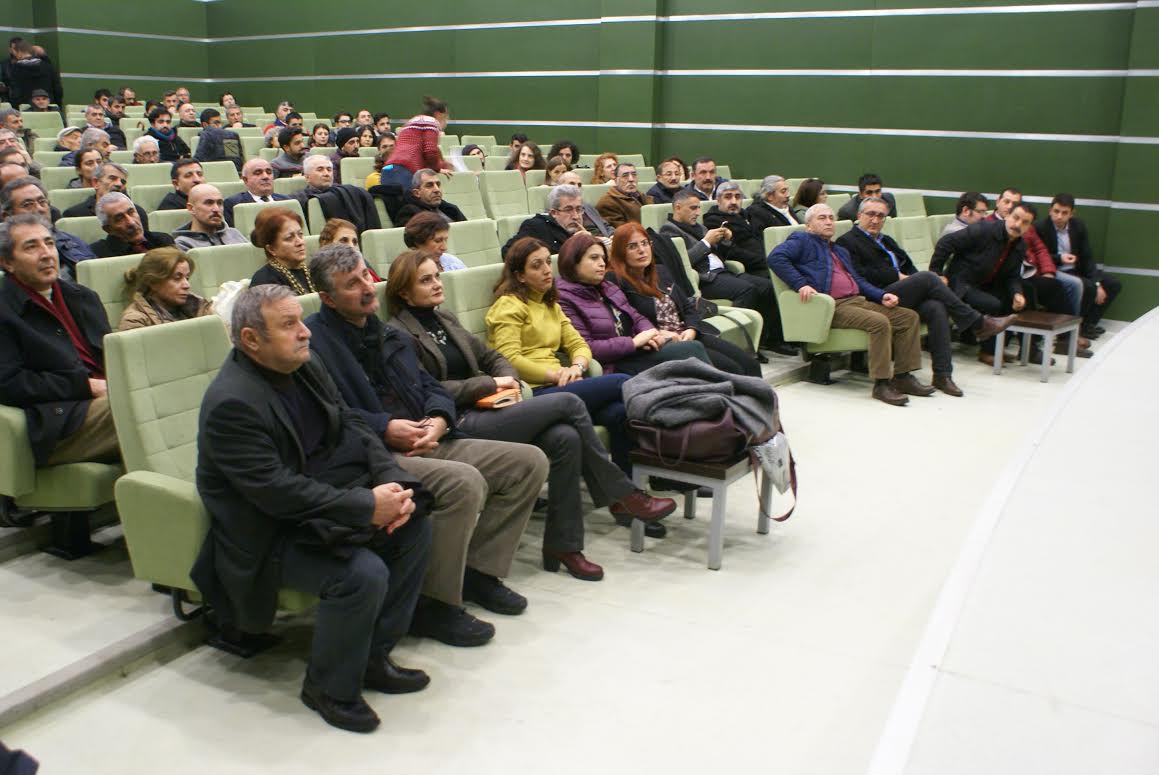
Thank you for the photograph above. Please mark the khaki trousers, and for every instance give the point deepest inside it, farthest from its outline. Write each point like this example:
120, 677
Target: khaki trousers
95, 441
484, 492
894, 334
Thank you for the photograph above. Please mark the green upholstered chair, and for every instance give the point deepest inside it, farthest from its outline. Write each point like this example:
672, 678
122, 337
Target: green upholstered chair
354, 170
935, 224
731, 319
48, 158
42, 123
269, 154
380, 247
446, 141
503, 193
64, 198
474, 242
244, 215
723, 171
106, 276
252, 145
156, 400
913, 234
222, 263
289, 186
645, 176
473, 163
497, 161
168, 221
56, 177
483, 141
148, 174
593, 192
86, 228
537, 199
507, 227
632, 158
909, 204
654, 216
462, 190
148, 197
836, 201
311, 303
219, 171
469, 294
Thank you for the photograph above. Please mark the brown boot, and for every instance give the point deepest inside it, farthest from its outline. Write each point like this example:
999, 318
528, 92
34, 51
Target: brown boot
989, 325
883, 390
945, 383
908, 384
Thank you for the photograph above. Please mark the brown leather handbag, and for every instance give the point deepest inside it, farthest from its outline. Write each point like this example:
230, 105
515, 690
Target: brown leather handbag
705, 441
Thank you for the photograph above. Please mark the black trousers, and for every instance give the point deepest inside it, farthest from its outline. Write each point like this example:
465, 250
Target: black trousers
936, 304
751, 291
1046, 293
559, 424
1093, 313
367, 601
726, 356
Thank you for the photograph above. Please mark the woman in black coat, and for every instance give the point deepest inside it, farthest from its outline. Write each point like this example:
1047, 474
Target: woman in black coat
655, 295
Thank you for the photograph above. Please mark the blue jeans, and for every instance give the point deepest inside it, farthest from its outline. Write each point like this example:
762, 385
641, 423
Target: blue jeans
603, 396
1073, 286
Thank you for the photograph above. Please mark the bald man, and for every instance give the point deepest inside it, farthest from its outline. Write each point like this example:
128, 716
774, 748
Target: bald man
258, 176
207, 226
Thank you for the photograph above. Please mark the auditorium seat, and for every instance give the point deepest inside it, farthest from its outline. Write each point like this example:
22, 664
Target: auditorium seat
222, 263
168, 221
910, 203
913, 234
49, 158
469, 295
124, 158
149, 197
483, 141
462, 190
495, 163
87, 228
537, 198
836, 201
654, 216
472, 163
57, 177
43, 123
148, 174
219, 171
507, 226
474, 242
371, 151
251, 145
723, 171
794, 184
311, 303
64, 198
156, 400
381, 246
188, 133
935, 224
594, 191
503, 193
106, 278
245, 214
446, 141
731, 319
269, 154
289, 186
355, 169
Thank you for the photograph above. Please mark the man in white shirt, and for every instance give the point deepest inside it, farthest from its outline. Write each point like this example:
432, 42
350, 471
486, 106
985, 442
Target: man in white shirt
258, 176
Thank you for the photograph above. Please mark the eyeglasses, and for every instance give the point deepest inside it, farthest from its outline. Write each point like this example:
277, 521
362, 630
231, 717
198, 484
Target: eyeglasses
38, 202
570, 210
875, 216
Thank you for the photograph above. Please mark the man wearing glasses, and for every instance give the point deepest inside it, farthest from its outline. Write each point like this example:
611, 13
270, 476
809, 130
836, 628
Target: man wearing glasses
882, 262
972, 207
564, 217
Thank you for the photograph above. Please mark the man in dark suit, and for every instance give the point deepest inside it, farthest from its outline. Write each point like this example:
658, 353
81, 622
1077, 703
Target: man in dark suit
118, 217
882, 262
258, 176
771, 206
301, 494
564, 217
1066, 239
51, 356
484, 490
426, 196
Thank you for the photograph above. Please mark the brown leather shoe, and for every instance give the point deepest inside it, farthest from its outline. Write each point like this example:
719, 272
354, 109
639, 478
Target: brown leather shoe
945, 383
575, 562
990, 325
908, 384
885, 391
641, 505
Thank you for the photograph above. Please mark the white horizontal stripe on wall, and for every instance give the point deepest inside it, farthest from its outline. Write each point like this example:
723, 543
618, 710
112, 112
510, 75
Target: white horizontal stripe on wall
831, 130
1132, 270
684, 18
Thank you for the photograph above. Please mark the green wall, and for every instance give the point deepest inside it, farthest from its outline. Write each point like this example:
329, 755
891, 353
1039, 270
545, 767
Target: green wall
367, 60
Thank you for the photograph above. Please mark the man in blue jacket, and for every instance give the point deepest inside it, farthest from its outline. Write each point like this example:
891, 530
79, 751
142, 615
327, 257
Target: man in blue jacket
810, 263
378, 374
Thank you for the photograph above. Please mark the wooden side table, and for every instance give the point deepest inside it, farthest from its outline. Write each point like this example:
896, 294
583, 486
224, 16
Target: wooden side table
1048, 325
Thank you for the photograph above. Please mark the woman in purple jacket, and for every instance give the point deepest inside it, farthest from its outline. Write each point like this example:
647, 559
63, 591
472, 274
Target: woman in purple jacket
621, 339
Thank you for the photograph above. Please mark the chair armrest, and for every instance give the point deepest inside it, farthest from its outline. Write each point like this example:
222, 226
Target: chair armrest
806, 321
736, 267
18, 473
165, 524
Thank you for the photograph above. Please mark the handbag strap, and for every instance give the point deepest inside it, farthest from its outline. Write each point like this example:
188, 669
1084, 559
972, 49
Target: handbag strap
756, 467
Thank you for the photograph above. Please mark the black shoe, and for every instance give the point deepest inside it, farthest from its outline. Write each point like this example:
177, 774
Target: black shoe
783, 348
651, 529
449, 624
492, 594
669, 485
761, 357
540, 504
1092, 332
354, 716
389, 678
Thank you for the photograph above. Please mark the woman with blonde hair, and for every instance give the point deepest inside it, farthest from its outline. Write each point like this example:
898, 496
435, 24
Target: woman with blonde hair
158, 291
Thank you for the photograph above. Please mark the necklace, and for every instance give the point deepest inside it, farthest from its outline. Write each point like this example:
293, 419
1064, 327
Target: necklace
297, 286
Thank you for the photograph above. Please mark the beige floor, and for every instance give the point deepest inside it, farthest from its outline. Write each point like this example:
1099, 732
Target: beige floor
789, 659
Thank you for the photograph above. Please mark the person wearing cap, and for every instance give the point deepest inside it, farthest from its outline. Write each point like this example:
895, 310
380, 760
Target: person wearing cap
41, 102
346, 147
68, 139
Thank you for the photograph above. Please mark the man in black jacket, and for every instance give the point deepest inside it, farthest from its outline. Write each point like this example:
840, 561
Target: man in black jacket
426, 195
300, 494
564, 217
350, 203
110, 178
770, 206
707, 252
1069, 244
51, 356
118, 217
879, 259
484, 490
31, 70
184, 174
258, 176
668, 176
